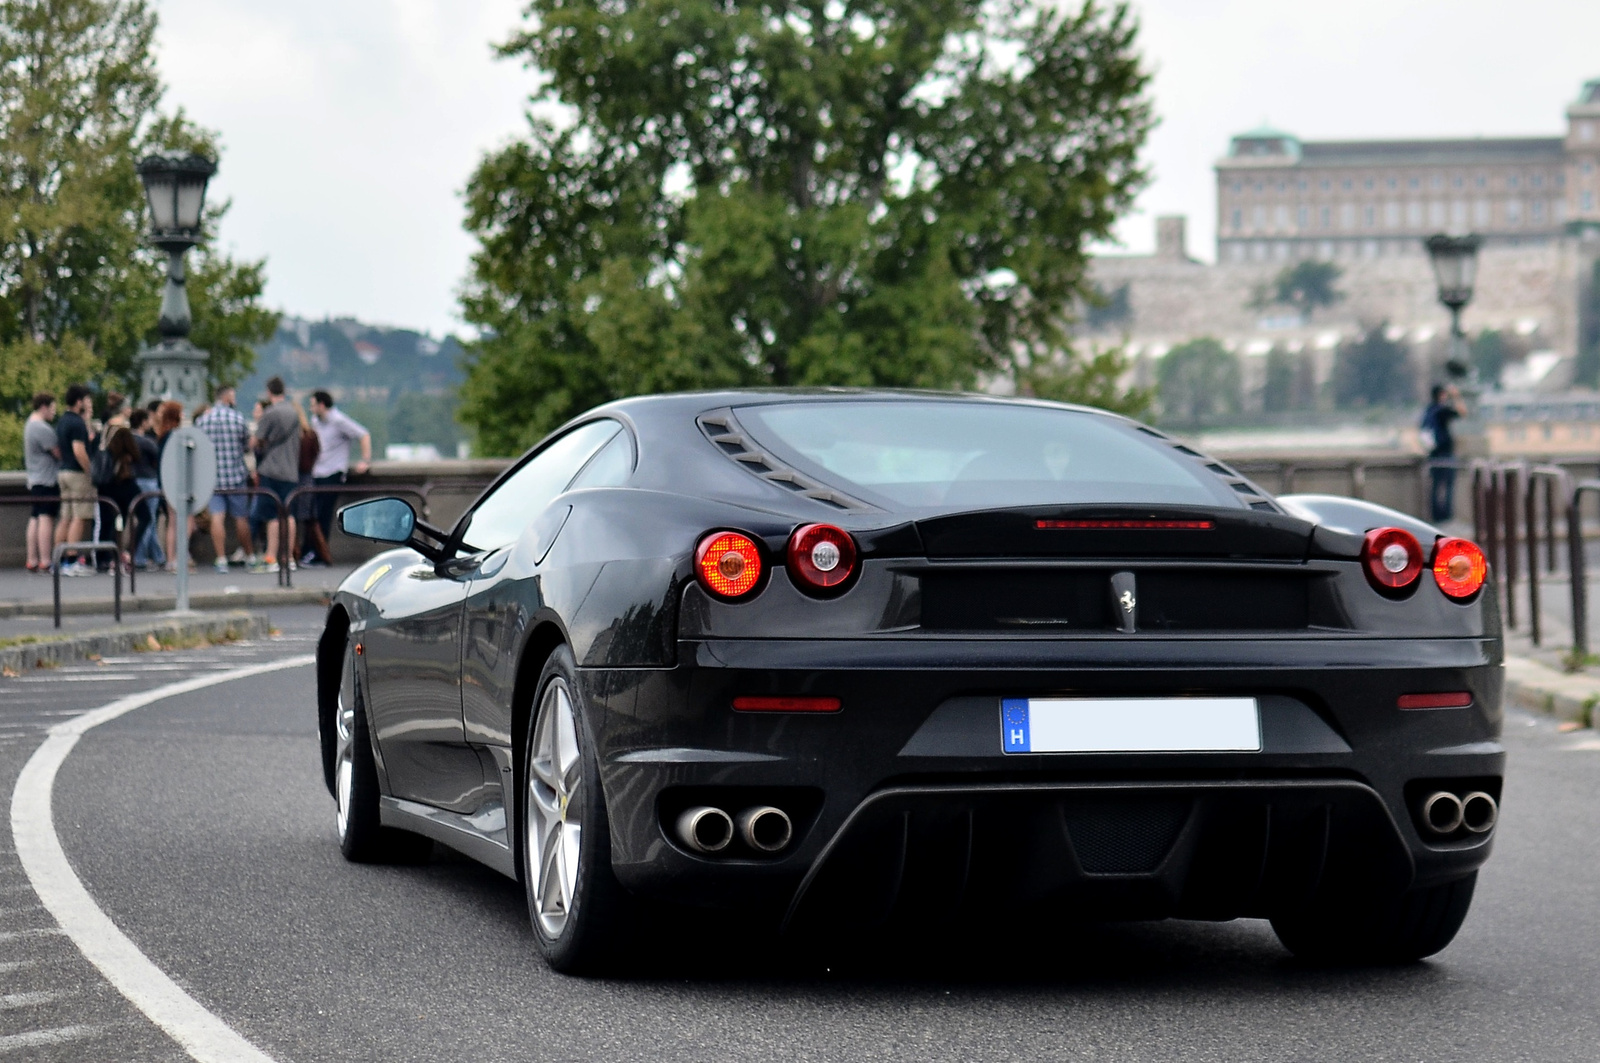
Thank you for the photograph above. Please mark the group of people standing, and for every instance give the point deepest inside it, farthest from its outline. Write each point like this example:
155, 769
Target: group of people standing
73, 460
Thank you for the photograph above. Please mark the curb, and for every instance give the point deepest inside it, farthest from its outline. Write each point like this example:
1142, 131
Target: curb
50, 651
150, 603
1539, 688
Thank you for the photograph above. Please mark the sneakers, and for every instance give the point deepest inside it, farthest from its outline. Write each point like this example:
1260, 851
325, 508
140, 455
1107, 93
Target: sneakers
77, 568
220, 566
263, 565
239, 557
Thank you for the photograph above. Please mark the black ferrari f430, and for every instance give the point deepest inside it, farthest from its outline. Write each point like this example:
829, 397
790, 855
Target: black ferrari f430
840, 659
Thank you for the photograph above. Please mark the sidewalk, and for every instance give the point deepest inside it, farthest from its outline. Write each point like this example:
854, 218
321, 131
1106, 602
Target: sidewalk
25, 594
21, 653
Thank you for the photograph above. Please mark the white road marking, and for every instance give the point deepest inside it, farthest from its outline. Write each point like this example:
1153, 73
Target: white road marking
60, 1035
34, 999
200, 1033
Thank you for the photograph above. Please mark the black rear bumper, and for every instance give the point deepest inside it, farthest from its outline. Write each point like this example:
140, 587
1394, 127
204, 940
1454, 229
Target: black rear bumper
904, 801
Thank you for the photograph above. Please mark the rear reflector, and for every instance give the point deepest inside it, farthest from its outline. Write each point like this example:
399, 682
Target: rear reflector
782, 704
1123, 525
1459, 699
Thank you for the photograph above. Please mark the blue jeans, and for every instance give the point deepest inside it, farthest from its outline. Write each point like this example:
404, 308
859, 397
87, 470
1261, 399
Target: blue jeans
1443, 491
147, 544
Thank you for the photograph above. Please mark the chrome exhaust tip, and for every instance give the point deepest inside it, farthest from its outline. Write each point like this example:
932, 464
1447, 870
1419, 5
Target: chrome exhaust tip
705, 829
765, 828
1442, 812
1479, 812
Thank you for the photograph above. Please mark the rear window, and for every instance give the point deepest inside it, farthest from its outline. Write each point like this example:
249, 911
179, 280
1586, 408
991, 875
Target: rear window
940, 454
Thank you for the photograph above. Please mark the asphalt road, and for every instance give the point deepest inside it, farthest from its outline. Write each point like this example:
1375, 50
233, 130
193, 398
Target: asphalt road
201, 826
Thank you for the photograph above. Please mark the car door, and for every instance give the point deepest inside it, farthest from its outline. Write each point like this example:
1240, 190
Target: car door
512, 530
411, 647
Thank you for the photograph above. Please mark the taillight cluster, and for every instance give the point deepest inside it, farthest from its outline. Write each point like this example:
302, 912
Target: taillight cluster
820, 560
1393, 561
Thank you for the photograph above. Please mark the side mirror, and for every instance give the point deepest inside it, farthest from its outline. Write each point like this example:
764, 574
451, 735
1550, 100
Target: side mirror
386, 520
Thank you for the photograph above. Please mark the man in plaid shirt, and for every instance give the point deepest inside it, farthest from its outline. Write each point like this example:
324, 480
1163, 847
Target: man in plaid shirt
229, 433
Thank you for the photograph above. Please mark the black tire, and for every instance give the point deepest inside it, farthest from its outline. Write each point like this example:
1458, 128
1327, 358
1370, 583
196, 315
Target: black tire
581, 915
363, 838
1402, 930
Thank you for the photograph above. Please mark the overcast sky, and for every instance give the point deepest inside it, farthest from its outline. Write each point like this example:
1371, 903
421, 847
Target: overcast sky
350, 126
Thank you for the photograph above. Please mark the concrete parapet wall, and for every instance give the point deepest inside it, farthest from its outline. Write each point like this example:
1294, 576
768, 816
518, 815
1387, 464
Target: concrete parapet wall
45, 651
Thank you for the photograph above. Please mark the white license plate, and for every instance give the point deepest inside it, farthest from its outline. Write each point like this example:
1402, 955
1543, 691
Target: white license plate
1130, 725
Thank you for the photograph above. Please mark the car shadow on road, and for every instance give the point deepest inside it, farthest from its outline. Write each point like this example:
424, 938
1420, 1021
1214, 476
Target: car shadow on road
970, 949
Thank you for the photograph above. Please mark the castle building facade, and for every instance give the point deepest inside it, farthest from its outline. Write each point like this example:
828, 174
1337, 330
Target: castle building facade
1280, 198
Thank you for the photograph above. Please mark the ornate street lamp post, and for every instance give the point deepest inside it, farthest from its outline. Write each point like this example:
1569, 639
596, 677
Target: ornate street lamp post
1455, 269
175, 187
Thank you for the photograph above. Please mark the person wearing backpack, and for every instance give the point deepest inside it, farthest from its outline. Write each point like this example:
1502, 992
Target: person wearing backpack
78, 496
1436, 434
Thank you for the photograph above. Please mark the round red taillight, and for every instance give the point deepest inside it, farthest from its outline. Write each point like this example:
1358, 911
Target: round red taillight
821, 557
1392, 558
728, 564
1459, 567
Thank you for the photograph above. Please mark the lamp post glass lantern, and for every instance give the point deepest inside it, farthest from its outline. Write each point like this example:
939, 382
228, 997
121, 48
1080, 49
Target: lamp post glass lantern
175, 189
1455, 270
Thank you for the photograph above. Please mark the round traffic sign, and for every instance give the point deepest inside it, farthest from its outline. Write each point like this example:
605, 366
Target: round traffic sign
188, 470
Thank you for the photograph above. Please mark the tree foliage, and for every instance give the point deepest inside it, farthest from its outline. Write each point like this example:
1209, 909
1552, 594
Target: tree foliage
1373, 370
1199, 382
79, 293
1304, 287
845, 192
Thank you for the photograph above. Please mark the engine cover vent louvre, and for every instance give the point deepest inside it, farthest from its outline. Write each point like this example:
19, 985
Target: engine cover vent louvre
723, 430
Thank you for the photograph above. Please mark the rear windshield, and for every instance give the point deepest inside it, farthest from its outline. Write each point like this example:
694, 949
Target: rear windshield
939, 454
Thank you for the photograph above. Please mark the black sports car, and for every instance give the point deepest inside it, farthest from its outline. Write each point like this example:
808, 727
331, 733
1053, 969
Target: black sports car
840, 658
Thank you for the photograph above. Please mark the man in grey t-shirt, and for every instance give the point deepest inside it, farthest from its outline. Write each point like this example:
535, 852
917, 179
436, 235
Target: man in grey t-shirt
277, 442
42, 458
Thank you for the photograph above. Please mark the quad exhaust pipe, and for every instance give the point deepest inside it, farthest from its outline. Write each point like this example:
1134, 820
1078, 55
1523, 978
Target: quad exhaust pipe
765, 829
707, 829
1445, 813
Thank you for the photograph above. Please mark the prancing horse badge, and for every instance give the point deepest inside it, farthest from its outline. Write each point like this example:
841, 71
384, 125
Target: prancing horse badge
1124, 603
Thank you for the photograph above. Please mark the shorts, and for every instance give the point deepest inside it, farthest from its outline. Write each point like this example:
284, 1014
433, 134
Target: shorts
78, 496
267, 509
46, 499
236, 506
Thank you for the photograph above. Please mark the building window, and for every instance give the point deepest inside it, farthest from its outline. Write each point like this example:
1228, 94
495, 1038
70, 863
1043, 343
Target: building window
1414, 215
1588, 167
1513, 181
1513, 212
1585, 131
1301, 184
1414, 183
1305, 217
1238, 219
1371, 217
1438, 180
1537, 212
1482, 181
1481, 212
1393, 183
1327, 217
1457, 181
1260, 187
1237, 188
1436, 214
1347, 216
1538, 180
1588, 201
1367, 184
1258, 217
1391, 215
1345, 184
1458, 214
1281, 217
1324, 184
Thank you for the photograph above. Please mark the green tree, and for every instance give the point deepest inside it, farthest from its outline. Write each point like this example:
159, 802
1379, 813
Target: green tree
1373, 370
1199, 382
1277, 393
1304, 287
79, 293
851, 192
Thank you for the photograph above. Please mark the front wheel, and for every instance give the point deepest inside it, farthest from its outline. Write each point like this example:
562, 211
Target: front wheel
1403, 929
577, 907
362, 836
